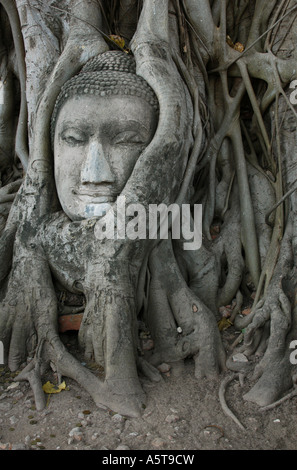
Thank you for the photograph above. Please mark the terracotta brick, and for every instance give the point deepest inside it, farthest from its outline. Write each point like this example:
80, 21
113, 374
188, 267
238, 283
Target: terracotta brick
70, 322
246, 311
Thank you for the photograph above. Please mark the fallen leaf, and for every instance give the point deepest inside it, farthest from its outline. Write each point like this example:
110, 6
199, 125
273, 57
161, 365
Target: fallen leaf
118, 40
239, 47
48, 387
224, 324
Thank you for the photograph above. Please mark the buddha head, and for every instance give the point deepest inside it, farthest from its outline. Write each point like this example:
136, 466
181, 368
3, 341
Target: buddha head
103, 119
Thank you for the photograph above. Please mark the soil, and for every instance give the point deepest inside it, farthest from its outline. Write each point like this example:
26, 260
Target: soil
182, 413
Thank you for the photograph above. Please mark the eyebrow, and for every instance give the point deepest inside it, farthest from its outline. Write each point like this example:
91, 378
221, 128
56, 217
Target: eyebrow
76, 123
118, 124
137, 124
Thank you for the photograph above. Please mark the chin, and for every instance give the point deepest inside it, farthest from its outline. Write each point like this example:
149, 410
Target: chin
96, 210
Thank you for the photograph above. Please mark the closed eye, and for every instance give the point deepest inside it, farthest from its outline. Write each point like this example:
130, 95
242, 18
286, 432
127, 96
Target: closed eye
73, 137
129, 137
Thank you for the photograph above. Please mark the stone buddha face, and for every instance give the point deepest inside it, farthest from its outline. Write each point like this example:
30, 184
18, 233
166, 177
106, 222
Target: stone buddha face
96, 145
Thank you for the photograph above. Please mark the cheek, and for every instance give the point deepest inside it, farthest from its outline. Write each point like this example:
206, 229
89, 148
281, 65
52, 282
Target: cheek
67, 165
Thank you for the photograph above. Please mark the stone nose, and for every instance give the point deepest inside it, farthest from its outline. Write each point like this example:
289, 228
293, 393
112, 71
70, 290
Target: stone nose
96, 168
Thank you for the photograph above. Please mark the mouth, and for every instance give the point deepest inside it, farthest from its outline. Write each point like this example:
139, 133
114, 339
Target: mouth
95, 197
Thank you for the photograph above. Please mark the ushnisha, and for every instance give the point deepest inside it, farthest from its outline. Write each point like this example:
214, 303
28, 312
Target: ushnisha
110, 73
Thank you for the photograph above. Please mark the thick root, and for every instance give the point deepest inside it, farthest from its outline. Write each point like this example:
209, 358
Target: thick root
180, 324
124, 396
273, 383
32, 374
290, 395
273, 372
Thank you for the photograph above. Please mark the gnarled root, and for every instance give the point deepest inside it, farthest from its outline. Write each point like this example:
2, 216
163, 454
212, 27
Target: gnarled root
290, 395
120, 390
109, 334
123, 396
181, 325
273, 373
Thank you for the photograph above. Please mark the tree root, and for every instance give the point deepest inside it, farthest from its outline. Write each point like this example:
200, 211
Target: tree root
273, 371
21, 145
180, 324
32, 374
120, 390
238, 366
271, 381
223, 402
123, 396
229, 246
149, 371
290, 395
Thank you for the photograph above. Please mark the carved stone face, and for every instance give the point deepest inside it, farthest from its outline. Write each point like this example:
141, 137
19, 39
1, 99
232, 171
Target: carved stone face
97, 143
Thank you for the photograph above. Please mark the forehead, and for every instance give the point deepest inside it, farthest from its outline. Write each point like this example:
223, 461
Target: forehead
106, 109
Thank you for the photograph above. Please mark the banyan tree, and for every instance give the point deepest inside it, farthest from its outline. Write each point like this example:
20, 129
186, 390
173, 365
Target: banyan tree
156, 103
